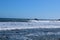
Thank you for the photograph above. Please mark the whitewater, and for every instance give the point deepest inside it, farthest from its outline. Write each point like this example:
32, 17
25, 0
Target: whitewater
29, 25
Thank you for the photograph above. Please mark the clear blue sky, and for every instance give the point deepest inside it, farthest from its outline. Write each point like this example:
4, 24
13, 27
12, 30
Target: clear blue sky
43, 9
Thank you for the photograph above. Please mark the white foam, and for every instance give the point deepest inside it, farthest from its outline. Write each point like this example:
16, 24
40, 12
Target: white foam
28, 25
10, 28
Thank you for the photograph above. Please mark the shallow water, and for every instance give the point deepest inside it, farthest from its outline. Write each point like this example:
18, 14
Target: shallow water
31, 34
30, 30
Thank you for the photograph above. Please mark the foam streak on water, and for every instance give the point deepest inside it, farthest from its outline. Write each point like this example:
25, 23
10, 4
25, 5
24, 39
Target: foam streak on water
29, 25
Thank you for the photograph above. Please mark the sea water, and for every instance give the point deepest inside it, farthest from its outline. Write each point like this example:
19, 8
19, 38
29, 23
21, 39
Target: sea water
34, 30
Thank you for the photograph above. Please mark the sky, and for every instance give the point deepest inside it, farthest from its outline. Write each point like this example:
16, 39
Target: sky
42, 9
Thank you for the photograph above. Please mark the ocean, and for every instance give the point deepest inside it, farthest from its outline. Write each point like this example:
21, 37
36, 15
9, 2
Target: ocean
32, 30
